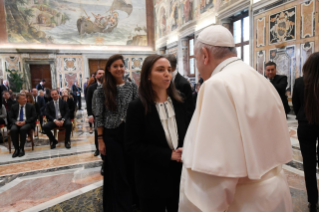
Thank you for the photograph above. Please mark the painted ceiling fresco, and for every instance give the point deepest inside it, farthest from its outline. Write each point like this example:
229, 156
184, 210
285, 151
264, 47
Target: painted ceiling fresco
84, 22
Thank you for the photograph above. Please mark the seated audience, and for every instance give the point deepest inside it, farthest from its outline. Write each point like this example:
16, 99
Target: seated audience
37, 107
69, 99
58, 115
41, 103
22, 118
47, 95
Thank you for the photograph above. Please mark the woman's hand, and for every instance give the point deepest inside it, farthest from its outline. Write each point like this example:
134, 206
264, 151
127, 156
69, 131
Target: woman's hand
177, 156
102, 148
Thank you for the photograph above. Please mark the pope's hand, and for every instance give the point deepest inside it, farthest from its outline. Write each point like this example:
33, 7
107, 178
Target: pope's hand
176, 156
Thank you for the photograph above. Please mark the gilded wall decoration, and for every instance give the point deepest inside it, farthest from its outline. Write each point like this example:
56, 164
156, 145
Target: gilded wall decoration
261, 32
282, 26
80, 22
12, 63
69, 79
136, 63
308, 19
305, 51
261, 59
285, 60
69, 64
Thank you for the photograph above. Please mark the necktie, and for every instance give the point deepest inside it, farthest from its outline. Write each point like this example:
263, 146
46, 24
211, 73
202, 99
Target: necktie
21, 114
56, 110
6, 105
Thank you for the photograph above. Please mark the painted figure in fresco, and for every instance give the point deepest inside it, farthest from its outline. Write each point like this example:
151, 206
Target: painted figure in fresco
188, 10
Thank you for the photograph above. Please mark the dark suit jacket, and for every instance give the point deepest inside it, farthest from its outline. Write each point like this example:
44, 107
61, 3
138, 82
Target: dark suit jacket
39, 87
75, 89
156, 174
4, 88
31, 114
184, 87
298, 100
71, 105
41, 103
64, 110
89, 97
10, 102
280, 83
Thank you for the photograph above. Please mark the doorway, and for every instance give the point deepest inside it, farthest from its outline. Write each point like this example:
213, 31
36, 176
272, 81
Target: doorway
39, 72
95, 64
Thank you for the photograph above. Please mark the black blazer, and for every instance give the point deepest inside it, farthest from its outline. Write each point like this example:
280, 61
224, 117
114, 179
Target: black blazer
4, 88
298, 100
31, 114
280, 83
156, 174
71, 105
39, 87
64, 110
10, 103
41, 103
75, 89
184, 87
37, 109
89, 97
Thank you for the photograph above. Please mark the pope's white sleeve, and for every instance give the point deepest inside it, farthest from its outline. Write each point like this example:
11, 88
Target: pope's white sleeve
205, 193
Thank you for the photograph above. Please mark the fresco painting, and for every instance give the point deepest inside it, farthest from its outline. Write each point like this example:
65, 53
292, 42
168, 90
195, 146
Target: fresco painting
82, 22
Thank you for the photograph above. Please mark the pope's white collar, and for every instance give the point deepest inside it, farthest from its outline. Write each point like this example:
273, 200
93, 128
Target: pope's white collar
223, 64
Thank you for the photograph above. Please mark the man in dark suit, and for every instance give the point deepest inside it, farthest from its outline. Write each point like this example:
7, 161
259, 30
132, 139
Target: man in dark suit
40, 86
22, 118
76, 94
58, 115
279, 82
7, 101
5, 86
99, 78
41, 102
182, 85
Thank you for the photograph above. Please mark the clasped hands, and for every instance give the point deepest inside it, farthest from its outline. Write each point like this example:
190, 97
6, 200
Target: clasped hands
177, 155
59, 123
20, 123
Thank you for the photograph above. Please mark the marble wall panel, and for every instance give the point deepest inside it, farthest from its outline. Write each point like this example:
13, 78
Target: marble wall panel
127, 63
307, 19
306, 49
261, 60
136, 63
12, 63
69, 79
69, 64
282, 26
261, 32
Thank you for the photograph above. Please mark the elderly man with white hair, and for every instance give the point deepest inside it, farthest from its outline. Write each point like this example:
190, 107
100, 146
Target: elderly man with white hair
237, 140
5, 85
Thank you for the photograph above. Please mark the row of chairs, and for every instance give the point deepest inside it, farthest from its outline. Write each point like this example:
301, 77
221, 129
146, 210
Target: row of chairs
31, 132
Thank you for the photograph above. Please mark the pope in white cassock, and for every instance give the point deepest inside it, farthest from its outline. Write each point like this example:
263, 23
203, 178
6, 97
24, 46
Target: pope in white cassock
238, 138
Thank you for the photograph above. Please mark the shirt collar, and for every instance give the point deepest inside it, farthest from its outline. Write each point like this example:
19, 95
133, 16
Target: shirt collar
21, 105
223, 64
98, 83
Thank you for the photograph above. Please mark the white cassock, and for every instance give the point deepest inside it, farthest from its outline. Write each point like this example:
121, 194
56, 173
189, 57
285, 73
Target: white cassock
236, 144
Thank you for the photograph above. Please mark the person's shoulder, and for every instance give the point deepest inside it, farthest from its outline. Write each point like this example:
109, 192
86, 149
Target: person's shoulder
129, 84
280, 77
299, 81
136, 105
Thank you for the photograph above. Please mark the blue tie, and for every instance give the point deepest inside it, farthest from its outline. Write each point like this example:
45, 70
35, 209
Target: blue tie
21, 114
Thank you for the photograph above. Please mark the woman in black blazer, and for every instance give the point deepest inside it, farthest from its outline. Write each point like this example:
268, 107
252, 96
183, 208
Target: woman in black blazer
305, 101
155, 128
69, 99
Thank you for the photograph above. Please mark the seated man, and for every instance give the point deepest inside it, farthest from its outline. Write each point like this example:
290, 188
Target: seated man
22, 118
58, 115
41, 102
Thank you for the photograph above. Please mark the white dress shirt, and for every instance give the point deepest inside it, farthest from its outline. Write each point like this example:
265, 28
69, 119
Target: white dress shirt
56, 104
24, 115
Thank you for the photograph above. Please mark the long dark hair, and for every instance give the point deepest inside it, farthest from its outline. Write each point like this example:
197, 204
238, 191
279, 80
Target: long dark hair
146, 92
311, 80
109, 84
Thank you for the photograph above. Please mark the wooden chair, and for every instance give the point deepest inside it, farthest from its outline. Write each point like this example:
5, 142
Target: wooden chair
61, 134
30, 134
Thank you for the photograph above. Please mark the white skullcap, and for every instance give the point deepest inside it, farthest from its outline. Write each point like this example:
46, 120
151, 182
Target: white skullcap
216, 35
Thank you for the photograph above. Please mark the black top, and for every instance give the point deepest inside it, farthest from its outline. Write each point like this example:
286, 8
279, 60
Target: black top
4, 88
184, 87
47, 99
71, 105
89, 96
31, 114
41, 102
64, 110
39, 87
298, 100
37, 109
280, 83
156, 174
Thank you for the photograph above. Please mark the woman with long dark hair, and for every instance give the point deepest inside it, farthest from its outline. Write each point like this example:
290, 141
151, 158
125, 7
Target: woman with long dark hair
47, 95
91, 81
66, 96
156, 125
112, 101
306, 106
